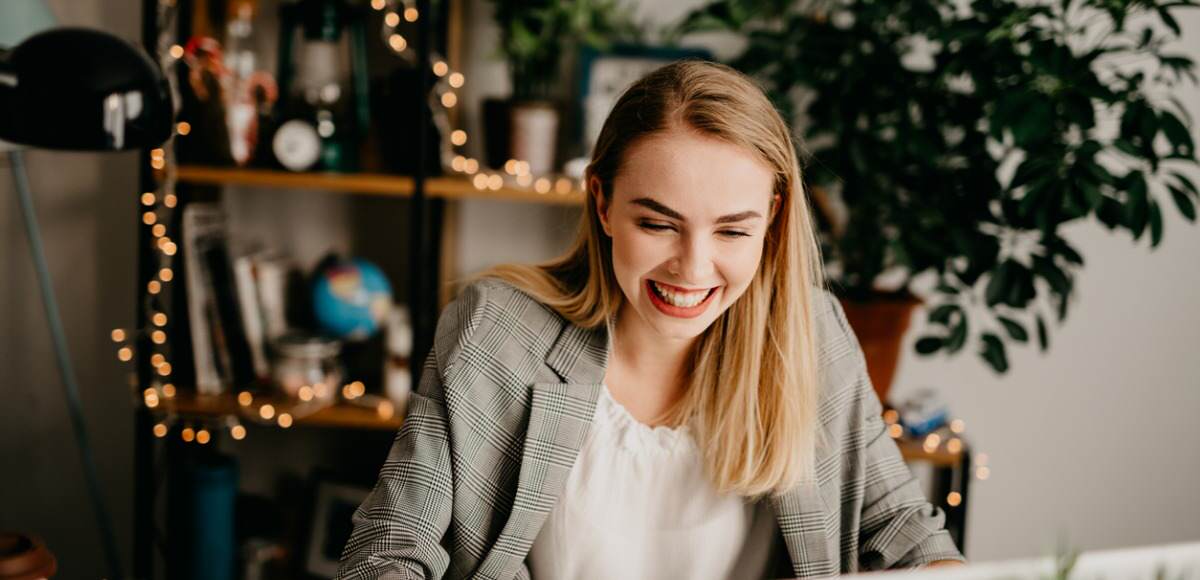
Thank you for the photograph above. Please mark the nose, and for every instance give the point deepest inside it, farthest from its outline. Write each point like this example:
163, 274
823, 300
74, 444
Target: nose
693, 262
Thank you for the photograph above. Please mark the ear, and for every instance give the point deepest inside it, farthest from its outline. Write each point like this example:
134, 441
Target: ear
596, 190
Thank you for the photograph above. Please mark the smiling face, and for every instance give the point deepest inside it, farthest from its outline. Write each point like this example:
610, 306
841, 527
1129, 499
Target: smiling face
687, 219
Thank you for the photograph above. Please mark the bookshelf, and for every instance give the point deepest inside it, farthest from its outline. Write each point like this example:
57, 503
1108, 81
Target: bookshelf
339, 415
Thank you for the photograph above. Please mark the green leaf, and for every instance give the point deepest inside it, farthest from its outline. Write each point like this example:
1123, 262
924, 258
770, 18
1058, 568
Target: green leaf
1043, 340
1184, 203
1169, 21
1176, 133
1052, 274
993, 352
999, 284
1137, 209
942, 313
929, 344
1185, 183
1156, 225
1014, 328
958, 336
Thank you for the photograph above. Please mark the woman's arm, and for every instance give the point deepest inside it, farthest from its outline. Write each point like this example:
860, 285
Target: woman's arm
398, 530
898, 528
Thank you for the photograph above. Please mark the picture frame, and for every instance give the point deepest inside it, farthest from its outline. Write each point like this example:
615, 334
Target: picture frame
604, 76
331, 525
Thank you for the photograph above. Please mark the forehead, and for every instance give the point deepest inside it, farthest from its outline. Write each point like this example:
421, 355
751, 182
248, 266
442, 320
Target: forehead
694, 174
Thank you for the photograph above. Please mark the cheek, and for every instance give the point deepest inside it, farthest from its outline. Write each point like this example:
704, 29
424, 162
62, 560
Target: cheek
739, 266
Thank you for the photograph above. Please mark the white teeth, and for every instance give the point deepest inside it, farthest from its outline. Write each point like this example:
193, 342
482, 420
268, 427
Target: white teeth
681, 299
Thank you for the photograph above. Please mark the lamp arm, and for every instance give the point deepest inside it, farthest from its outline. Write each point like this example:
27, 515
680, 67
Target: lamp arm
103, 519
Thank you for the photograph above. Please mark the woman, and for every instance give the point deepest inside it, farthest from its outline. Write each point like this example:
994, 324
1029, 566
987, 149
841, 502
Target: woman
676, 397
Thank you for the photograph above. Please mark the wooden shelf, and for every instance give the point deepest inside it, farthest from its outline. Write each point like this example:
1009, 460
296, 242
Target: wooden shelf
339, 415
914, 450
452, 187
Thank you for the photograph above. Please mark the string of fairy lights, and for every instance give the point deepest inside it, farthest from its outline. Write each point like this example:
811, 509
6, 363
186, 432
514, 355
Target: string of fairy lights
158, 209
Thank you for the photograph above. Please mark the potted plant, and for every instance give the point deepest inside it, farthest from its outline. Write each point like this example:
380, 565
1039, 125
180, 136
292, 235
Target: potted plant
533, 37
961, 140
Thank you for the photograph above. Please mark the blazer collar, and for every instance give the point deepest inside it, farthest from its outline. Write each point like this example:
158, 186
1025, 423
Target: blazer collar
580, 355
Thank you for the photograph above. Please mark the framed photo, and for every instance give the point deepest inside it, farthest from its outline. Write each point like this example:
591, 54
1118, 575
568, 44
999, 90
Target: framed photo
331, 525
603, 76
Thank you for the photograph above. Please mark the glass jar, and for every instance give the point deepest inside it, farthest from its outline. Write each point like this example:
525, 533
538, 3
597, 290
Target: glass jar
307, 367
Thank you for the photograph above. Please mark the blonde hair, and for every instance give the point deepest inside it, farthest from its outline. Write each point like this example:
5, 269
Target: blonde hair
752, 390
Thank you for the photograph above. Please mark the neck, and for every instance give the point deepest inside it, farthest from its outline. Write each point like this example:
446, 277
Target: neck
639, 351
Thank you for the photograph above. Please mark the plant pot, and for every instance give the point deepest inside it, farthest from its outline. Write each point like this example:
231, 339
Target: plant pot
497, 131
880, 324
534, 134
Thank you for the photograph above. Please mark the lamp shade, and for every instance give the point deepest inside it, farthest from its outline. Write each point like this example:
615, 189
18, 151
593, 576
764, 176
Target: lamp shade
19, 19
84, 90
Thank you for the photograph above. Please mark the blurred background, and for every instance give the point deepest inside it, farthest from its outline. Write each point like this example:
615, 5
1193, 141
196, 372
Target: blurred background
1006, 190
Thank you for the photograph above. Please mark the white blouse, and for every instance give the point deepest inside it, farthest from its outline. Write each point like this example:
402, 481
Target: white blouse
638, 505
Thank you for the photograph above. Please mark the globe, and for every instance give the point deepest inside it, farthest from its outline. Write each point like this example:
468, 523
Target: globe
351, 299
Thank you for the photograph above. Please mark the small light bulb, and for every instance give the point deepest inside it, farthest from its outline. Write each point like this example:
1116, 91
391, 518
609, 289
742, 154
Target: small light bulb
202, 436
471, 166
159, 319
895, 431
285, 420
151, 400
166, 274
157, 163
149, 218
118, 335
164, 369
266, 411
168, 391
160, 430
125, 354
440, 68
188, 434
495, 182
237, 432
170, 248
954, 445
148, 198
542, 185
456, 79
170, 200
379, 4
411, 14
183, 128
386, 410
891, 416
159, 230
392, 19
523, 168
245, 398
157, 359
480, 181
510, 167
153, 286
458, 137
459, 163
954, 499
958, 426
524, 180
397, 42
983, 472
563, 186
158, 337
176, 51
305, 393
449, 100
358, 388
157, 153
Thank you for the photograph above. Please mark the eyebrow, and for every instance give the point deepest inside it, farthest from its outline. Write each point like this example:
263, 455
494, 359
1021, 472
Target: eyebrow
660, 208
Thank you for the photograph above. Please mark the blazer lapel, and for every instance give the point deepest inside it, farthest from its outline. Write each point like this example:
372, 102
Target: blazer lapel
559, 418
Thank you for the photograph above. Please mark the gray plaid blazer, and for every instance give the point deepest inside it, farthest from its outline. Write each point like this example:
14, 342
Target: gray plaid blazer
497, 420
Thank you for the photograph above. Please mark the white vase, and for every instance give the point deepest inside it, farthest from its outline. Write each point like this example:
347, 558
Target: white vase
534, 131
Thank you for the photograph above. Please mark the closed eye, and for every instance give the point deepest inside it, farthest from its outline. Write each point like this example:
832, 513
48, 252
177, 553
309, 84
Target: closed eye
653, 227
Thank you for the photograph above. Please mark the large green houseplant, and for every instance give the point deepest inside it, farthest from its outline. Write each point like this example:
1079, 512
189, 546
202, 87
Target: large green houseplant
920, 111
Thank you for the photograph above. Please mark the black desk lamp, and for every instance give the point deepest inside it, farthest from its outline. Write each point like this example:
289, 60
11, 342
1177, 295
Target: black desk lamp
82, 90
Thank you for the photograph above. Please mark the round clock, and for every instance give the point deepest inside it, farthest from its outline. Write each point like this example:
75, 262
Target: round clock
297, 145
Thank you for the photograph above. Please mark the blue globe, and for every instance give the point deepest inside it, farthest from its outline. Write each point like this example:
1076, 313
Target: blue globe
352, 299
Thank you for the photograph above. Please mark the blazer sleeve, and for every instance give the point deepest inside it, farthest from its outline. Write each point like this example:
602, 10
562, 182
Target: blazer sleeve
898, 528
399, 529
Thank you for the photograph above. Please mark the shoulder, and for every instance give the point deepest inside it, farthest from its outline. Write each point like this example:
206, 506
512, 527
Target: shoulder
494, 315
845, 384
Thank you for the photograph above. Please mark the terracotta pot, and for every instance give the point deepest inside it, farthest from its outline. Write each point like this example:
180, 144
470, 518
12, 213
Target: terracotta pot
880, 324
